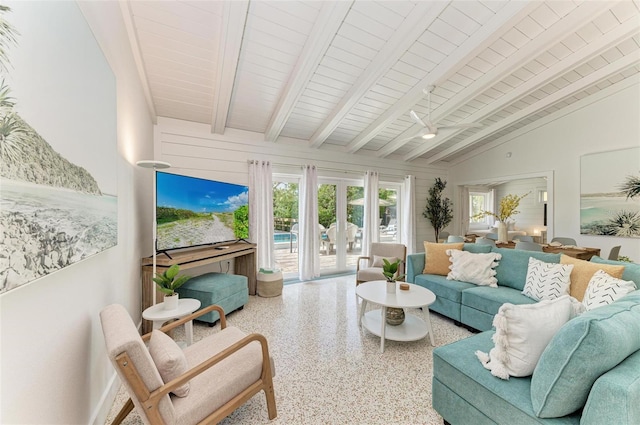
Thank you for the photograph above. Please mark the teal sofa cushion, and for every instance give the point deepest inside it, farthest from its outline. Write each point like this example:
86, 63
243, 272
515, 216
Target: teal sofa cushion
489, 300
512, 268
615, 396
631, 270
443, 288
581, 351
458, 375
477, 248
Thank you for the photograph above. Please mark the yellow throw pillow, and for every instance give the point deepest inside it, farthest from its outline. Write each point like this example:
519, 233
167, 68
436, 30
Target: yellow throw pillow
436, 260
583, 271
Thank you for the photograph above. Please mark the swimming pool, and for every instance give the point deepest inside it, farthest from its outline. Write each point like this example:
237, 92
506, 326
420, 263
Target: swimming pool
282, 237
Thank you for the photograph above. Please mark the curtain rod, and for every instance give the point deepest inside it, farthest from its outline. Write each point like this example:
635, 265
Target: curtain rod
337, 170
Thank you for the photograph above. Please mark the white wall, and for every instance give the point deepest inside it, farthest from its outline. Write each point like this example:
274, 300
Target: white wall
555, 148
191, 149
54, 368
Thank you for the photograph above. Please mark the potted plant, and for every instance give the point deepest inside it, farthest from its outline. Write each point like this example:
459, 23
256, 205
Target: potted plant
508, 208
395, 316
438, 211
167, 283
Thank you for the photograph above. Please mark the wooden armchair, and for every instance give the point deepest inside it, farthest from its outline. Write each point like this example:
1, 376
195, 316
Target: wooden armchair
224, 370
372, 270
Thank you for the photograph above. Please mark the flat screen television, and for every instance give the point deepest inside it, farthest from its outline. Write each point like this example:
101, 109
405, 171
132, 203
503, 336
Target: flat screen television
192, 211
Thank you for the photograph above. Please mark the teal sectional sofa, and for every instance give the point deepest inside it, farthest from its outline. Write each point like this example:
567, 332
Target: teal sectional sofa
473, 305
589, 374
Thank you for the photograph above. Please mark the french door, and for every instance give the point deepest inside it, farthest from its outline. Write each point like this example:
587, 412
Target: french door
340, 211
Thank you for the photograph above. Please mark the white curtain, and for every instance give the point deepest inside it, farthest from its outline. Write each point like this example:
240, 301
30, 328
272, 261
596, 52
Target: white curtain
464, 210
261, 212
371, 219
309, 246
409, 213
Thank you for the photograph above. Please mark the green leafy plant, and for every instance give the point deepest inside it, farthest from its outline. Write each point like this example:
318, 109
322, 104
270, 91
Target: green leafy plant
439, 211
169, 281
390, 269
625, 259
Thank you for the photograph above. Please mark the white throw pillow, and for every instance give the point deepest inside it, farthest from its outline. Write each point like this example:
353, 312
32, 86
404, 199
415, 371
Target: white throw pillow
522, 333
547, 281
604, 289
169, 360
377, 260
473, 268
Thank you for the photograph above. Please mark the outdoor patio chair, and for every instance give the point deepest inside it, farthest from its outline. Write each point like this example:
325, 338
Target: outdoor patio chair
211, 377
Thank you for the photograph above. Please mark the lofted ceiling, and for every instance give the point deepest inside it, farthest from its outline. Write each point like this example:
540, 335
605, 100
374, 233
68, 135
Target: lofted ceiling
344, 75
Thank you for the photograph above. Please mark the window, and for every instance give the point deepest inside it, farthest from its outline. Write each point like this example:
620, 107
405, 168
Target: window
478, 202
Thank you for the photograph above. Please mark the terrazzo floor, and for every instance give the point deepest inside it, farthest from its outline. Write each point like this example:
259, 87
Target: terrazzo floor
328, 370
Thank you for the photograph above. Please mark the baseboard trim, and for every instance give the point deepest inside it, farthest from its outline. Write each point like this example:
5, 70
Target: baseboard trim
99, 416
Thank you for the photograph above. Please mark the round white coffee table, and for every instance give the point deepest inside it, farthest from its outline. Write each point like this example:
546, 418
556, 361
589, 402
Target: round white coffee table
413, 328
158, 315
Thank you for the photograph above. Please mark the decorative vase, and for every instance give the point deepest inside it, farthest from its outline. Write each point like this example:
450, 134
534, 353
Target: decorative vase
391, 287
503, 234
395, 316
171, 301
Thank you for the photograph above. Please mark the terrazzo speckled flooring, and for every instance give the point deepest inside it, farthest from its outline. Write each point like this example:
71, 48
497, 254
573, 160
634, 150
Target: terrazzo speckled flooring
328, 370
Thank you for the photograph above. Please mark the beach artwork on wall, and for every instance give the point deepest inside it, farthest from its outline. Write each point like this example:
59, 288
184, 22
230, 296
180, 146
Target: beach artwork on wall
610, 193
58, 158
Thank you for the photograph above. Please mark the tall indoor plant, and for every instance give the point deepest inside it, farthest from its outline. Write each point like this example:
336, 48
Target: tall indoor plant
508, 208
439, 210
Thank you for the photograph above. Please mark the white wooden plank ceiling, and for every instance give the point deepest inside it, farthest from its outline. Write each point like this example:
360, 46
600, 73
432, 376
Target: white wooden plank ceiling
344, 75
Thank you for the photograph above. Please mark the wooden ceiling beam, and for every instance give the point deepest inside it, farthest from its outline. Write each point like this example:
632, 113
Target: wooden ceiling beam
127, 16
324, 31
422, 15
234, 18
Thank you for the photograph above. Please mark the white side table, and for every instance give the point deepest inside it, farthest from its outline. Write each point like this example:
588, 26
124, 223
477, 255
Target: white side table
158, 315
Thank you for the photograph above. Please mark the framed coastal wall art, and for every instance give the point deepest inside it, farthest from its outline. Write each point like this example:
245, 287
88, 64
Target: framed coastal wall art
610, 193
58, 158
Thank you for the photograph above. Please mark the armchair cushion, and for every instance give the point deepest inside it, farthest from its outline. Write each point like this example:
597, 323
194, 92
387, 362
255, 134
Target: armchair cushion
378, 260
169, 360
231, 376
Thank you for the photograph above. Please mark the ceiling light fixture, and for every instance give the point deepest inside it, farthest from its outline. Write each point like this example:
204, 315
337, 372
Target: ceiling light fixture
428, 136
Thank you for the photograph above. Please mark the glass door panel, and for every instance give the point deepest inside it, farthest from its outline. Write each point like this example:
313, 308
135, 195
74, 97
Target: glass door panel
389, 219
285, 223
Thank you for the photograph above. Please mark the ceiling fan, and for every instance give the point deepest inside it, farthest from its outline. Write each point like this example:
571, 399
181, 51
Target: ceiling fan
430, 130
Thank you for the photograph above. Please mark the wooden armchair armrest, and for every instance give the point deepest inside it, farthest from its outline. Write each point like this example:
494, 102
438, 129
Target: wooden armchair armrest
358, 262
166, 328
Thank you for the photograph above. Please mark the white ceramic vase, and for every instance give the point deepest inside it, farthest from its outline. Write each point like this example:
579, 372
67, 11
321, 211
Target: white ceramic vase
503, 234
171, 301
391, 287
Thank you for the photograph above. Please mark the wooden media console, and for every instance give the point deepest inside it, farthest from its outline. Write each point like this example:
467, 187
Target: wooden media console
243, 254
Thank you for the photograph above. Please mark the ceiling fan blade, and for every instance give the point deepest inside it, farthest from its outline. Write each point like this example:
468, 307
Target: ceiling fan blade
418, 134
416, 118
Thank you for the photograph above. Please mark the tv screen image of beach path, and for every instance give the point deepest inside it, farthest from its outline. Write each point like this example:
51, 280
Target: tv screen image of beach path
192, 211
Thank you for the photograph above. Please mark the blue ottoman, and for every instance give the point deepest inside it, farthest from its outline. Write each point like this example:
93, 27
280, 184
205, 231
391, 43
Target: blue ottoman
229, 291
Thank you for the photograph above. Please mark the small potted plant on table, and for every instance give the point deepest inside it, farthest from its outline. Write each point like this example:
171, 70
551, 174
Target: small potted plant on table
167, 283
394, 316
